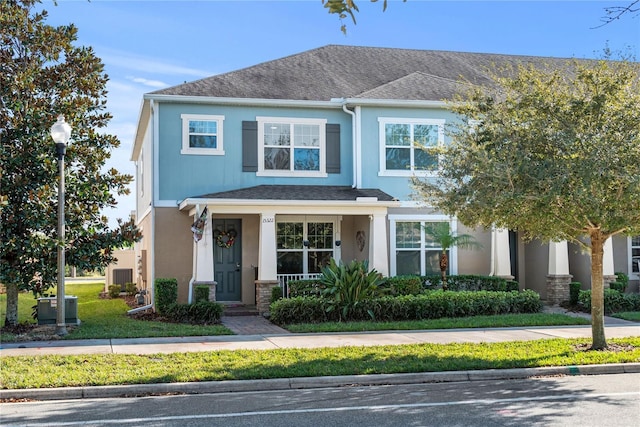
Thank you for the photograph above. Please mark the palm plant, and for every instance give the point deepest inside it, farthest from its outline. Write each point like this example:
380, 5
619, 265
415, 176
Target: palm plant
442, 235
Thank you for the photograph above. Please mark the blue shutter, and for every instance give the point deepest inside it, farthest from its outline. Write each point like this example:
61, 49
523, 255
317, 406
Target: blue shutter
249, 146
333, 147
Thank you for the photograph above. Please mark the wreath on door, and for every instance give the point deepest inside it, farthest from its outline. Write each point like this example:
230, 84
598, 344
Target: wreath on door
226, 239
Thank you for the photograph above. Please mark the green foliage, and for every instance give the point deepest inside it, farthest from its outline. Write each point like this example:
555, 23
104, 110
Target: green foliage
623, 279
614, 301
114, 291
307, 287
574, 293
347, 286
404, 285
344, 8
276, 294
472, 282
430, 305
43, 75
201, 293
166, 293
617, 286
200, 313
130, 288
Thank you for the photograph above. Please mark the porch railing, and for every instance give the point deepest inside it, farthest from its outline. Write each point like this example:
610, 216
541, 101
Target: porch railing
284, 279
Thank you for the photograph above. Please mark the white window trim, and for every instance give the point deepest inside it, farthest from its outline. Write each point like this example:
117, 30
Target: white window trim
382, 121
453, 252
322, 173
186, 149
632, 275
306, 219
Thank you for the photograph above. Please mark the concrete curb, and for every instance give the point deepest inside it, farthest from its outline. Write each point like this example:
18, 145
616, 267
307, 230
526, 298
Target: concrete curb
64, 393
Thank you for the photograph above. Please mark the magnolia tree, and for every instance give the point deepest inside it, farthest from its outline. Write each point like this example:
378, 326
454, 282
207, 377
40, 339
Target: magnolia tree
42, 75
553, 152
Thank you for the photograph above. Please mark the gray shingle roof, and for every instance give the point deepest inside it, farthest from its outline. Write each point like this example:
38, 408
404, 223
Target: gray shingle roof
299, 192
351, 71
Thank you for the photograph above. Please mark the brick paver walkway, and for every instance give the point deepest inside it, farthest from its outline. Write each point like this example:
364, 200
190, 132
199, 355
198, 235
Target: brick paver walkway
251, 325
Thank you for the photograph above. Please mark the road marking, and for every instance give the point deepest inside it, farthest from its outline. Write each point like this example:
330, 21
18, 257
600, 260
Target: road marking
578, 396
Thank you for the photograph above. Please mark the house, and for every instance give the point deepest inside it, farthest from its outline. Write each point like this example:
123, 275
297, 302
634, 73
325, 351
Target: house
280, 166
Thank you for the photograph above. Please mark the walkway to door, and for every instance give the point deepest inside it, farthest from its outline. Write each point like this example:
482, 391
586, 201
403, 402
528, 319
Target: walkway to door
251, 325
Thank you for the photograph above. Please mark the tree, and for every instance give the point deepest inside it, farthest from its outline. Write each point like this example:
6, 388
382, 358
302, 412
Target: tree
446, 239
344, 8
553, 152
613, 13
43, 75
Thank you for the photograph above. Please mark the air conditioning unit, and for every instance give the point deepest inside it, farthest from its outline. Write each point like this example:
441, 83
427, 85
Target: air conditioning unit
48, 310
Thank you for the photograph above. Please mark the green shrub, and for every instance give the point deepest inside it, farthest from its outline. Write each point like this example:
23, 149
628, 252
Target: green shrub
471, 282
200, 313
201, 293
130, 288
404, 285
614, 301
623, 279
617, 286
303, 288
512, 285
300, 310
166, 293
428, 305
349, 285
574, 292
114, 291
276, 293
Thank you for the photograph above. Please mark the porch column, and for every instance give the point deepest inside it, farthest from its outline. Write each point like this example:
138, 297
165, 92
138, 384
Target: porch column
608, 272
558, 277
267, 262
501, 254
203, 270
378, 253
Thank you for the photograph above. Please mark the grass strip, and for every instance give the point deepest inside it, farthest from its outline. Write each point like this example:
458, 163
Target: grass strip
112, 369
498, 321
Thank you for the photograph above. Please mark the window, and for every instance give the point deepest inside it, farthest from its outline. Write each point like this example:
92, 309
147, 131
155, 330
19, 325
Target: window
402, 142
291, 147
304, 246
202, 134
635, 254
413, 252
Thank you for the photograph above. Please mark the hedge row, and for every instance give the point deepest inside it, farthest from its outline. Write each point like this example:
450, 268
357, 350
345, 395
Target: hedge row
200, 313
429, 305
415, 285
614, 301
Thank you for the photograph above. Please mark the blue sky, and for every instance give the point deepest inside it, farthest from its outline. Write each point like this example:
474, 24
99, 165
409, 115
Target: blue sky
152, 44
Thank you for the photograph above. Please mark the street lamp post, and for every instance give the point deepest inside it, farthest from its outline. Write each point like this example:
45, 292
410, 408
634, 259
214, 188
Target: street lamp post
61, 132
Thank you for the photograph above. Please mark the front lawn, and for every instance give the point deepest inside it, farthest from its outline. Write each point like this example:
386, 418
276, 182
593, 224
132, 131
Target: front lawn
106, 318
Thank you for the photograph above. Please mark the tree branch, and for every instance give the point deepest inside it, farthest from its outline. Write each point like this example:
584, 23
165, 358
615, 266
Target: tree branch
613, 13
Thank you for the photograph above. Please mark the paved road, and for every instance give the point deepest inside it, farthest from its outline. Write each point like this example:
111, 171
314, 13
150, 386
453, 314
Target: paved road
603, 400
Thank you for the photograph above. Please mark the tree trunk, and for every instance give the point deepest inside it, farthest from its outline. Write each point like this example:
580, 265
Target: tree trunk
11, 317
444, 265
597, 291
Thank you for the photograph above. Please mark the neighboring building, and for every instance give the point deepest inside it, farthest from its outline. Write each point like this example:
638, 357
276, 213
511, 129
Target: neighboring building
308, 157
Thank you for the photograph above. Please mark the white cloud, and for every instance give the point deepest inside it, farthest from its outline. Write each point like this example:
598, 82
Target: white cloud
148, 82
135, 62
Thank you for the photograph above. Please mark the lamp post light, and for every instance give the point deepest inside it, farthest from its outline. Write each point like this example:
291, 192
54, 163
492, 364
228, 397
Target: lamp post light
61, 132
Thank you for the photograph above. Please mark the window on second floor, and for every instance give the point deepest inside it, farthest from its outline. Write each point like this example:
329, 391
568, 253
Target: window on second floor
291, 147
202, 134
402, 142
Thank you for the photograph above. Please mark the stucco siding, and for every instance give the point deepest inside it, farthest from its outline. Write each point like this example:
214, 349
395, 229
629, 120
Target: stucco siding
173, 248
536, 267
